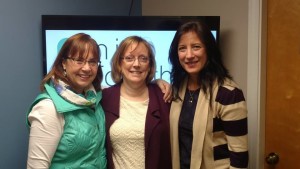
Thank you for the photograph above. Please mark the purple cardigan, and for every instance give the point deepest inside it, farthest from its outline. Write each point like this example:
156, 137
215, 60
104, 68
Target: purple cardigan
157, 127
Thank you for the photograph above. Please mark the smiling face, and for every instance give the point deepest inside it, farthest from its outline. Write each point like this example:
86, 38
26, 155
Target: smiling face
192, 53
135, 72
81, 70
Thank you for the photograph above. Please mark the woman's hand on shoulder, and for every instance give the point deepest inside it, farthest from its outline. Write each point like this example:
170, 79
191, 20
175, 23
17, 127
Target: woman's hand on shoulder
166, 88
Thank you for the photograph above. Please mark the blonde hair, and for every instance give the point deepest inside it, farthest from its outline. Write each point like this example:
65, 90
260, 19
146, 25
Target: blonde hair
119, 54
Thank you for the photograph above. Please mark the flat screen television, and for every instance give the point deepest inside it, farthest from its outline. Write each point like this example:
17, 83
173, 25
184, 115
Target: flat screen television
109, 31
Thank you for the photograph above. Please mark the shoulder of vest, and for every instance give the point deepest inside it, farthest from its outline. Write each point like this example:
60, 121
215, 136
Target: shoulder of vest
40, 97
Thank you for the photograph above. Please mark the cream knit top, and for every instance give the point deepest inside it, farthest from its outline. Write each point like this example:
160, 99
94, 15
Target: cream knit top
127, 135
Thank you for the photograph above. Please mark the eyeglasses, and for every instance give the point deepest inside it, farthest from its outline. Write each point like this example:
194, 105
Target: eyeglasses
82, 62
131, 59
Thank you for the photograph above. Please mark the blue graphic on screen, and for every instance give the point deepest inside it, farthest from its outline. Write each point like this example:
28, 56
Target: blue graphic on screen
108, 41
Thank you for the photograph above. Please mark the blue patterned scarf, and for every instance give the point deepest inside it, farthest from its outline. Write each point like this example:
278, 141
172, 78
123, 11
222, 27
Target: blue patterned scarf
64, 90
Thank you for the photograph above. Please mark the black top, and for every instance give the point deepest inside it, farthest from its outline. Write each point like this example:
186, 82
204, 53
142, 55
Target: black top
185, 128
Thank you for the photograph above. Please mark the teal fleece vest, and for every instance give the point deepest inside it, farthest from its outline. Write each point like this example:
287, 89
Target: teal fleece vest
82, 145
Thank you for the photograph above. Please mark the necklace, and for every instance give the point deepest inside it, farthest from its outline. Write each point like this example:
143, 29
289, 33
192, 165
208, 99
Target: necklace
191, 96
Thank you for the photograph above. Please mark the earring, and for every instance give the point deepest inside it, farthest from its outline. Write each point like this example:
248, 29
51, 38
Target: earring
65, 73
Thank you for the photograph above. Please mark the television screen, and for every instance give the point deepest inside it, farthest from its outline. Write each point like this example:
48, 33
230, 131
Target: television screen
109, 31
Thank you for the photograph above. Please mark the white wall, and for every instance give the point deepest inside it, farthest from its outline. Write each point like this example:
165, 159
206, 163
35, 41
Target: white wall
241, 43
234, 27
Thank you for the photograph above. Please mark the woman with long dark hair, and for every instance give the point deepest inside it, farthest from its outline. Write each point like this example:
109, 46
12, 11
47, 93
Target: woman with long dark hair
208, 116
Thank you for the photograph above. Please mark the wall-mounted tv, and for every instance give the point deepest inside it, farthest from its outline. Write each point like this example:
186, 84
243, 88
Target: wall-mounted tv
109, 31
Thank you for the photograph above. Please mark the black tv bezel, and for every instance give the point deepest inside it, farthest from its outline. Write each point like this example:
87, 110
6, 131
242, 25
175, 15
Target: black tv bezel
93, 22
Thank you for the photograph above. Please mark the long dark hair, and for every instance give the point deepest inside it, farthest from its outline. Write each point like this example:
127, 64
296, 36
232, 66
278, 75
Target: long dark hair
75, 44
214, 68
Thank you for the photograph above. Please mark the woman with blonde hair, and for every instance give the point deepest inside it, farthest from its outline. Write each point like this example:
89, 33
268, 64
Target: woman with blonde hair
137, 117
